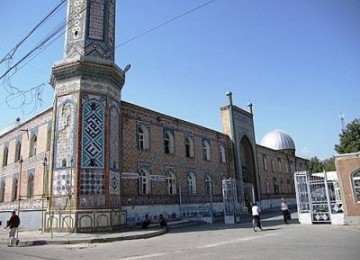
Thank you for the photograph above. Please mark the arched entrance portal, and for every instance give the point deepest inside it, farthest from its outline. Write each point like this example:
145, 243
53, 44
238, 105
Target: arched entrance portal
248, 171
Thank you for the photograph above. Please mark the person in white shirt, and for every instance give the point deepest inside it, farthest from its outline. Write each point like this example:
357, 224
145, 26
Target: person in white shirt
285, 211
256, 215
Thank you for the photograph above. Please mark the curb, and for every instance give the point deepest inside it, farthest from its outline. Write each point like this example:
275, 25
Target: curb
28, 243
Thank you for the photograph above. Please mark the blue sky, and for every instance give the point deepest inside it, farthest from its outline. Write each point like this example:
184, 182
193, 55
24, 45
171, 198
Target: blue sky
298, 62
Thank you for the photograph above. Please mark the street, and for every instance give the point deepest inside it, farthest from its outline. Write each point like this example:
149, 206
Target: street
215, 241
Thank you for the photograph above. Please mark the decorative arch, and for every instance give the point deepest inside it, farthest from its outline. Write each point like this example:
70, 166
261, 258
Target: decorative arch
247, 159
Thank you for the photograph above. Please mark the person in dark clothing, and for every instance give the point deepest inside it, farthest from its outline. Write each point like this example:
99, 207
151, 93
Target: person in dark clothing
162, 221
13, 224
146, 221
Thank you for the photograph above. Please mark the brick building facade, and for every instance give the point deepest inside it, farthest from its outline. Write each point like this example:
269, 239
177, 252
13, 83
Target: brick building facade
94, 162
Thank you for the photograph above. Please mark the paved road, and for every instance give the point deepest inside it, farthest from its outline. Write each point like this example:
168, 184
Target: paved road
216, 241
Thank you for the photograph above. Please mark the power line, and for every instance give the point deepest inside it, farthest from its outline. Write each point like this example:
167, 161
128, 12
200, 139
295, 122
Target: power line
11, 53
165, 23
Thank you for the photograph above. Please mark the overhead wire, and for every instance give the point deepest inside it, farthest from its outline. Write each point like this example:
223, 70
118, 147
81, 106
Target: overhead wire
58, 31
164, 23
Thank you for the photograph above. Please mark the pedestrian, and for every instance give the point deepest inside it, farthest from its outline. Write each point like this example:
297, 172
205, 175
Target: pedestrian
13, 224
285, 211
146, 221
256, 211
162, 221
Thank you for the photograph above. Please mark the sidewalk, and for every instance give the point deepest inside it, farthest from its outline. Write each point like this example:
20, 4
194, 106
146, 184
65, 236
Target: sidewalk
36, 237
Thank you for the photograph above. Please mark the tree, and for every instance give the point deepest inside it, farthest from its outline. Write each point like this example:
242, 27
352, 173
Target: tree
316, 165
349, 138
319, 166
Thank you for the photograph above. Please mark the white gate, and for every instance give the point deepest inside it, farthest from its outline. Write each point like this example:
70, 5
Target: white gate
318, 198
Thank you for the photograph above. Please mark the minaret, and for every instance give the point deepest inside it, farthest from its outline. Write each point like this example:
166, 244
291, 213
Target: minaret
85, 185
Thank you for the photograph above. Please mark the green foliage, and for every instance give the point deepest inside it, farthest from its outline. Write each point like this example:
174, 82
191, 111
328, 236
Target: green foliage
319, 166
349, 138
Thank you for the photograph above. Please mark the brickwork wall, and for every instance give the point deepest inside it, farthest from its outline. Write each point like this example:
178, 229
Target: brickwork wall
283, 172
33, 165
158, 160
346, 165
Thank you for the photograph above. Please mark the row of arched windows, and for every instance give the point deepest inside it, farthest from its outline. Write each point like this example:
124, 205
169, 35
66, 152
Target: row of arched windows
143, 143
32, 151
15, 188
171, 182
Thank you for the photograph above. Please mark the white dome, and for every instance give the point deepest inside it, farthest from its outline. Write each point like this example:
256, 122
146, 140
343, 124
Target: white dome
278, 140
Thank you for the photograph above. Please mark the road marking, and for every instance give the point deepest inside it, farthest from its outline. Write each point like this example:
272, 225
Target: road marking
235, 241
142, 256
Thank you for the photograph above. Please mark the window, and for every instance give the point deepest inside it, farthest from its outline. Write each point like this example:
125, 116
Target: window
189, 147
272, 165
33, 146
143, 142
18, 151
5, 156
48, 139
267, 184
63, 163
356, 185
206, 150
191, 183
276, 186
2, 191
264, 162
30, 186
144, 182
222, 154
169, 143
14, 194
209, 184
171, 182
279, 164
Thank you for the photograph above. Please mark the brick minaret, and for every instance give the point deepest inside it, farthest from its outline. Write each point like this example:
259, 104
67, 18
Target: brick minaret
85, 183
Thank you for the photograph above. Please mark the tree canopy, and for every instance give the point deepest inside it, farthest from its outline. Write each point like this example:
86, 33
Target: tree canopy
349, 138
319, 166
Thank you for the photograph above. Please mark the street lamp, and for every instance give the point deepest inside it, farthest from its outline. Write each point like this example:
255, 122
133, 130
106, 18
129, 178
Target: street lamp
43, 194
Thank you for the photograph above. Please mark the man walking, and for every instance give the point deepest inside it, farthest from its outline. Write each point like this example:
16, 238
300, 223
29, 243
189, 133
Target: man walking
13, 224
285, 211
255, 210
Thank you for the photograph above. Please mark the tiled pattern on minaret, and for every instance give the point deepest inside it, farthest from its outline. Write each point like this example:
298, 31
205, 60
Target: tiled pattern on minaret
114, 145
92, 154
98, 40
64, 145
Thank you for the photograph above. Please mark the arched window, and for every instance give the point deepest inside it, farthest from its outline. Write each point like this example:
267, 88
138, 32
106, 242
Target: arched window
143, 137
209, 184
267, 186
356, 185
222, 154
171, 181
30, 186
144, 181
169, 143
48, 139
2, 191
5, 156
191, 183
189, 147
276, 186
18, 151
206, 150
63, 163
14, 194
33, 146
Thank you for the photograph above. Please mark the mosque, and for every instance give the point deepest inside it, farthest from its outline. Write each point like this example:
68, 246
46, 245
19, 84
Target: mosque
96, 162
